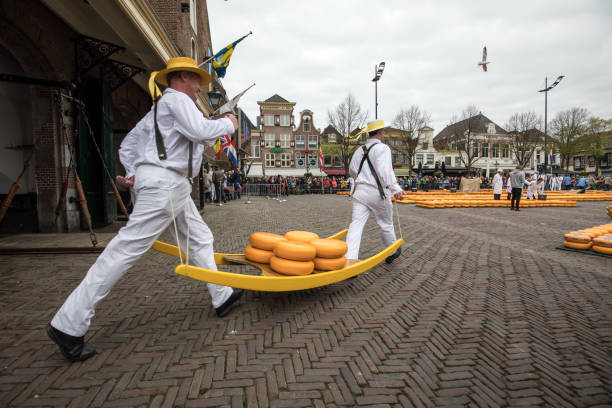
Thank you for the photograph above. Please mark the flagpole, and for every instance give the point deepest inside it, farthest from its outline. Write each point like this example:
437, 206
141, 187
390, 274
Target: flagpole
239, 94
212, 57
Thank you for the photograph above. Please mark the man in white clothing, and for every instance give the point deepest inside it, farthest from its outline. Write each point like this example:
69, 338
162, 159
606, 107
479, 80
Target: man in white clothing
498, 184
159, 156
372, 169
532, 188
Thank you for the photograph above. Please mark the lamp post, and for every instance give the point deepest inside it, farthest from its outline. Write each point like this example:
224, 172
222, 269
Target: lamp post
378, 70
214, 97
545, 90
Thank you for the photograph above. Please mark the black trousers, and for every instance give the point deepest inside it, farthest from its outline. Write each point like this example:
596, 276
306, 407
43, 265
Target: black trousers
496, 196
516, 197
509, 196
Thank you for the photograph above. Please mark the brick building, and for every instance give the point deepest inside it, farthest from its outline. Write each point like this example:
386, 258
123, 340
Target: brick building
102, 52
280, 148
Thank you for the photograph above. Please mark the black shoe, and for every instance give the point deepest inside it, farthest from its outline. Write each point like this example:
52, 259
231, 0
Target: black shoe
517, 209
394, 255
225, 308
73, 348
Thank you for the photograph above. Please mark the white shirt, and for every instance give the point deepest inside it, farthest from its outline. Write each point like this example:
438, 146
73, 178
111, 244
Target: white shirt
179, 122
498, 184
380, 156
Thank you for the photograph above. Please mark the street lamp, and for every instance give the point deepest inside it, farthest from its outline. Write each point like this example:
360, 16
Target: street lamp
378, 70
545, 90
214, 97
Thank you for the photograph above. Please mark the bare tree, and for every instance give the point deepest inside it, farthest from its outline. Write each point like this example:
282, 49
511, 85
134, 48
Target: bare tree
410, 121
598, 135
462, 135
567, 127
524, 128
346, 117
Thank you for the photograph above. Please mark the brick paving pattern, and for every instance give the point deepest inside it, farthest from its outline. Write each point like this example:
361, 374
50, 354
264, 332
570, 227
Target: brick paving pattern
480, 310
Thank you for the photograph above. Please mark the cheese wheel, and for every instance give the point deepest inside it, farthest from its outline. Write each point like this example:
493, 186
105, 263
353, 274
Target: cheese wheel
265, 240
329, 264
295, 251
257, 255
330, 248
288, 267
577, 245
603, 240
602, 249
576, 236
301, 236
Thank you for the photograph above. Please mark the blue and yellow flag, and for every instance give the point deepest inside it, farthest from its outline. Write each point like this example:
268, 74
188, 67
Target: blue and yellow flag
222, 58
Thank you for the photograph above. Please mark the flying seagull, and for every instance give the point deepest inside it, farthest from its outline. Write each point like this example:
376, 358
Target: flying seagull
484, 61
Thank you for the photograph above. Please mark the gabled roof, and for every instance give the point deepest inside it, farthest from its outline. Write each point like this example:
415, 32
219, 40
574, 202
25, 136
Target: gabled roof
277, 98
330, 129
479, 124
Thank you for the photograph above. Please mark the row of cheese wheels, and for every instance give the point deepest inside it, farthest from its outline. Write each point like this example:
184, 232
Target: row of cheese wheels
598, 238
609, 210
297, 252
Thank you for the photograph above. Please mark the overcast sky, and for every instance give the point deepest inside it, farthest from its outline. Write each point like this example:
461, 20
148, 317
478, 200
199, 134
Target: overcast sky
316, 52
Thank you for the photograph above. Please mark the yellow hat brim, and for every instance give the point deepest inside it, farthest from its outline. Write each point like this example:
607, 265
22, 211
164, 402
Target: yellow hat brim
161, 77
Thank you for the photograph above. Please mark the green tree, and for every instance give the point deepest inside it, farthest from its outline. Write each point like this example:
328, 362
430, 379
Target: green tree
598, 135
567, 127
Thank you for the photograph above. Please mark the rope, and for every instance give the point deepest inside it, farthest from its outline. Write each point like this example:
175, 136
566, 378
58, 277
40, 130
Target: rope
399, 226
174, 220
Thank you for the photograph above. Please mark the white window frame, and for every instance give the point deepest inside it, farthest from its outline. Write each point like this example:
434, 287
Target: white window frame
306, 126
270, 160
285, 159
300, 141
475, 150
448, 161
418, 159
491, 128
457, 161
300, 156
255, 148
313, 141
194, 53
192, 16
485, 150
285, 120
431, 158
268, 120
506, 151
269, 140
331, 138
425, 145
285, 141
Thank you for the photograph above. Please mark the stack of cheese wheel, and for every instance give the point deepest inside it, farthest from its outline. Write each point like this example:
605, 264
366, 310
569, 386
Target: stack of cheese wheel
578, 240
294, 255
330, 254
603, 244
262, 244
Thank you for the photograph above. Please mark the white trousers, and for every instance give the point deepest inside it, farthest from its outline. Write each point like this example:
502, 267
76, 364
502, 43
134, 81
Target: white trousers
367, 200
159, 193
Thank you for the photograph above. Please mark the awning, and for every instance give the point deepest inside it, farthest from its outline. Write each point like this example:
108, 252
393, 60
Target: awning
257, 171
335, 172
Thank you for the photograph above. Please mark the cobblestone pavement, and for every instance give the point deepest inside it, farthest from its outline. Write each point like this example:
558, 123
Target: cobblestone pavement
480, 309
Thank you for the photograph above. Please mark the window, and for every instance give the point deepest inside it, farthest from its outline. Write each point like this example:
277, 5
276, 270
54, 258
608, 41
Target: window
491, 128
254, 148
393, 142
327, 160
268, 120
193, 50
475, 150
306, 127
331, 138
506, 151
419, 159
394, 156
457, 161
485, 150
313, 141
284, 120
495, 152
284, 141
210, 65
285, 159
430, 159
313, 160
538, 158
404, 158
591, 161
270, 160
425, 145
300, 159
577, 163
447, 161
192, 15
269, 138
300, 141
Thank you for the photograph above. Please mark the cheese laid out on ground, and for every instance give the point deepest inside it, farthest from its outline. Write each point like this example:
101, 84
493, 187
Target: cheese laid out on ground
288, 267
295, 250
577, 245
603, 240
301, 236
602, 249
257, 255
329, 264
330, 248
265, 240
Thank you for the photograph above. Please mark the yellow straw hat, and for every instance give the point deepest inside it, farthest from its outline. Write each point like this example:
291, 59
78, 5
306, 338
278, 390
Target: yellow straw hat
374, 126
182, 64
